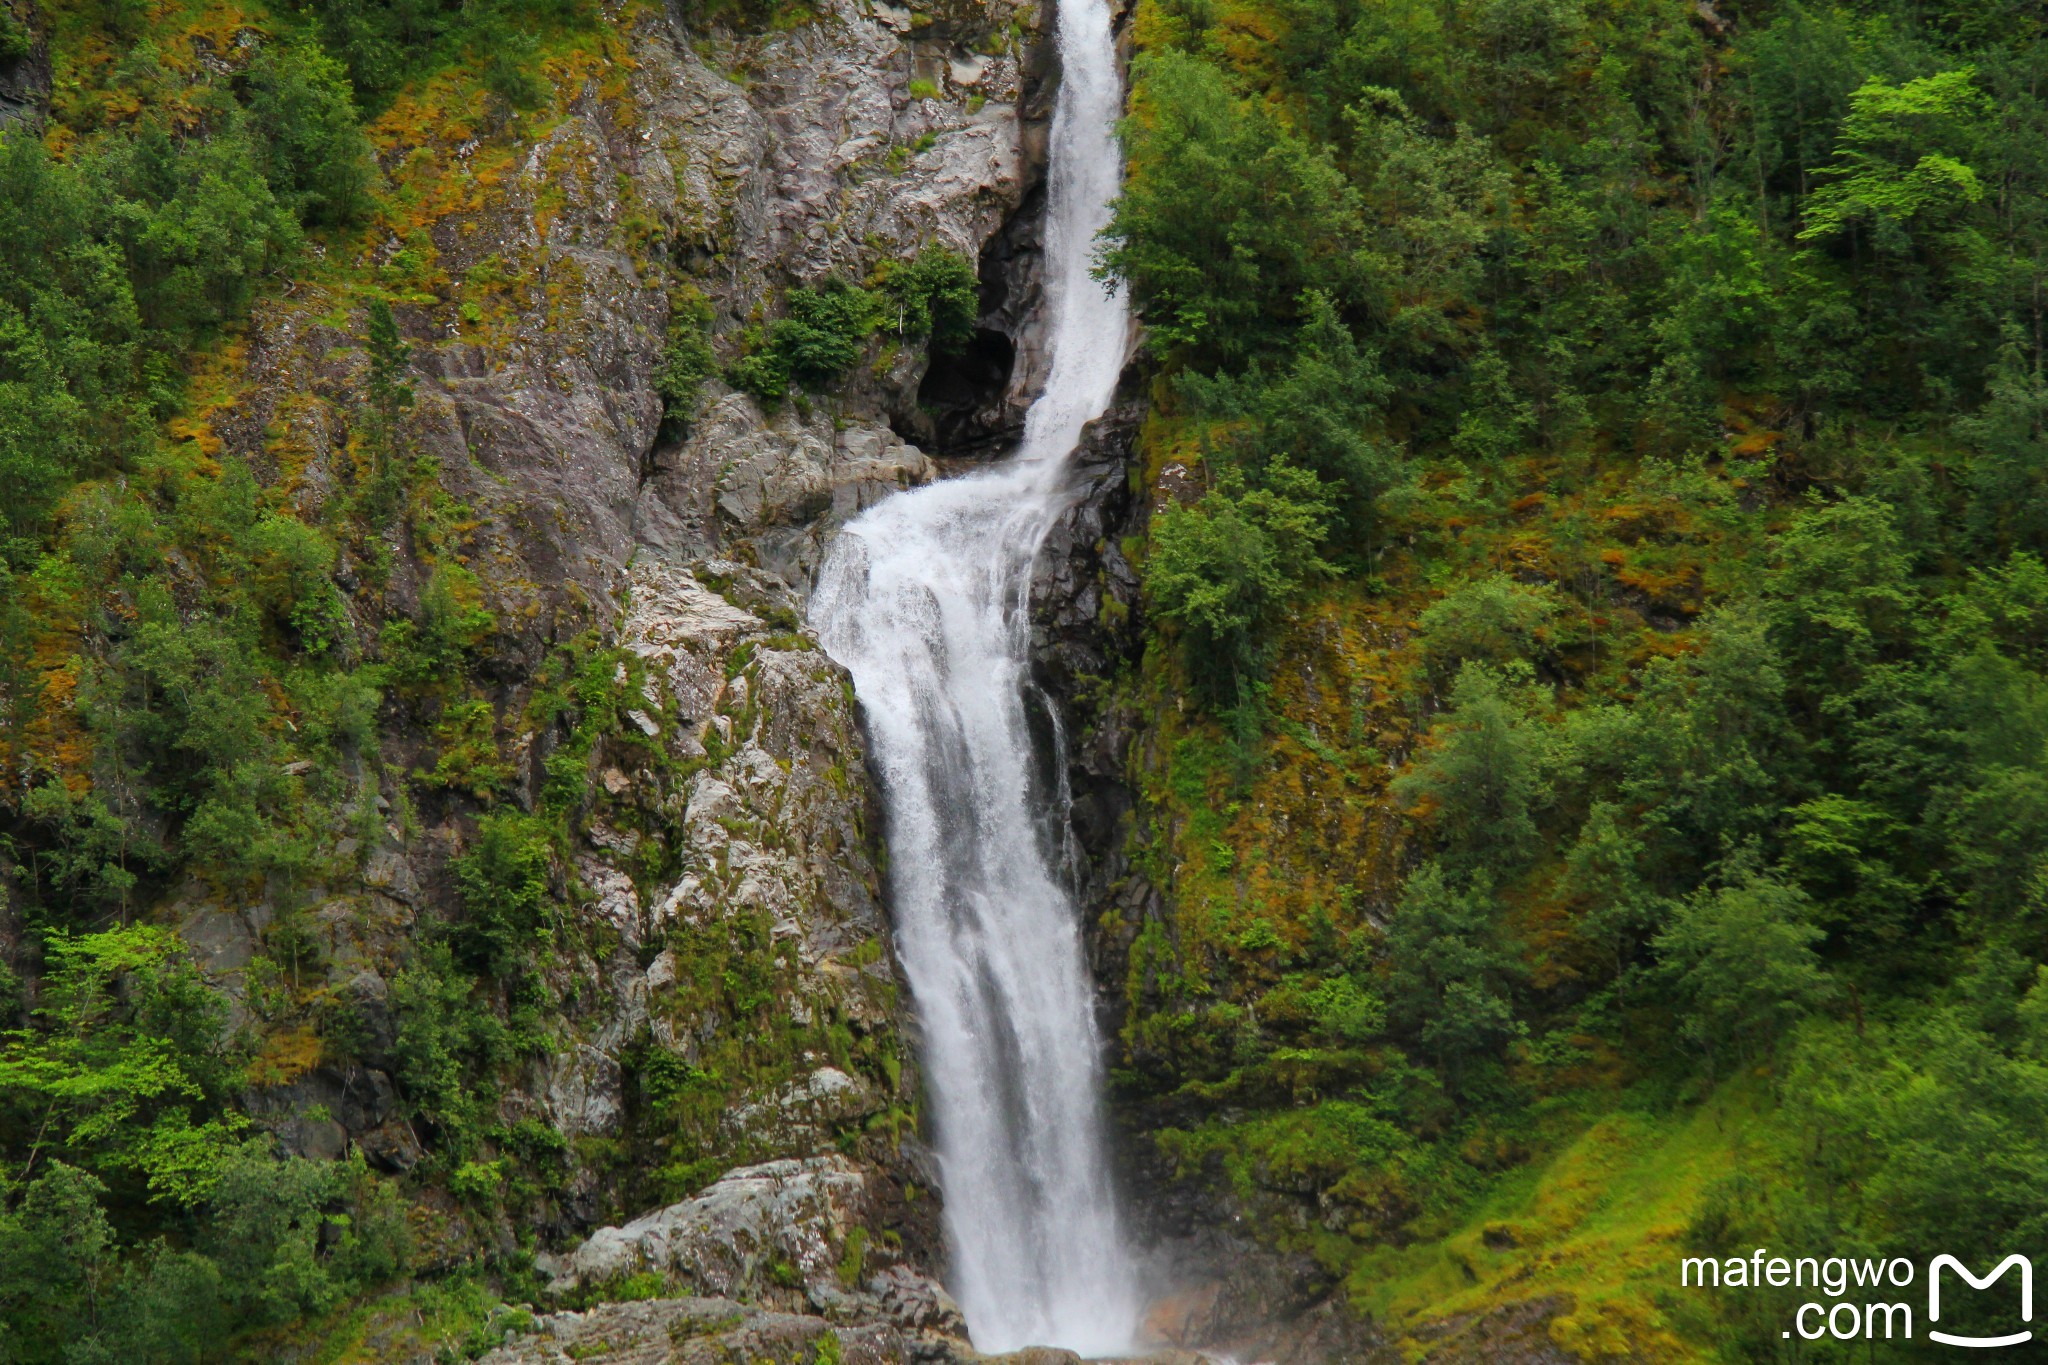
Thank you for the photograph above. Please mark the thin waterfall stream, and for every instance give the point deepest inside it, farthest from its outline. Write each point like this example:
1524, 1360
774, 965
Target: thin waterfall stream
925, 600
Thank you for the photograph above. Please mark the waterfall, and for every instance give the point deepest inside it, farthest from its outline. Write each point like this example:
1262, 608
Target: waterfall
924, 599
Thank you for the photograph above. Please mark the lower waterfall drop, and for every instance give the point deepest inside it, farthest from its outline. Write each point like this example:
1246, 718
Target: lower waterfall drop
925, 600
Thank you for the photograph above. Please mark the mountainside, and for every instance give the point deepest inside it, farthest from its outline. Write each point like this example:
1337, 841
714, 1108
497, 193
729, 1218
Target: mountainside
1548, 651
420, 425
1587, 740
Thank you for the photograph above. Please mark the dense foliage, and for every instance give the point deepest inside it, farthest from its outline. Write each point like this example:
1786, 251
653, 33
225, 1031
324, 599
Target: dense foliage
201, 674
1617, 431
226, 681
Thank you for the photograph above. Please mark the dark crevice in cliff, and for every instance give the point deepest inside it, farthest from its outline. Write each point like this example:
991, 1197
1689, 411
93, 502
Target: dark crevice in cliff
962, 395
971, 402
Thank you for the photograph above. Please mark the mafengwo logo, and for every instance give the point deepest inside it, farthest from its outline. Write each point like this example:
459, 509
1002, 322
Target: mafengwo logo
1864, 1299
2014, 1261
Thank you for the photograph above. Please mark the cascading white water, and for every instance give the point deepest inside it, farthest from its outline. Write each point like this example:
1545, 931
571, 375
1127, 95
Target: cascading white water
924, 599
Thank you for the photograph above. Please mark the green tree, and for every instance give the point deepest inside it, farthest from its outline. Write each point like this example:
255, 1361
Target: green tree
1323, 411
197, 221
505, 881
1899, 166
1480, 782
1223, 567
818, 341
937, 295
2008, 473
1743, 957
1839, 597
314, 152
390, 398
123, 1068
1494, 620
1227, 219
1449, 975
687, 360
57, 1256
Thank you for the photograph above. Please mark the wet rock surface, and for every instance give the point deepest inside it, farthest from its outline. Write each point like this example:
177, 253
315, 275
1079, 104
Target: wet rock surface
25, 87
1216, 1288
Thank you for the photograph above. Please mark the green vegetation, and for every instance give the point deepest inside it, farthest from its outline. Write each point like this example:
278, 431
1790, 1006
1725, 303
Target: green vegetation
124, 1078
385, 43
1641, 715
934, 297
197, 675
252, 645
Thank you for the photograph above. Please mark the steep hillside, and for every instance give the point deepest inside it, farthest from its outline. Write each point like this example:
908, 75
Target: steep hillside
1588, 745
428, 831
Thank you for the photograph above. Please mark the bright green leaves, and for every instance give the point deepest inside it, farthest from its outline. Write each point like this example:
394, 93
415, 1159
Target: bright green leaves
821, 336
276, 1240
935, 294
1898, 165
124, 1067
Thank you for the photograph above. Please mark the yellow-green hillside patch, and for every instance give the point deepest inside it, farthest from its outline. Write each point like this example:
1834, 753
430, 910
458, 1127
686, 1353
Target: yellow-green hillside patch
1600, 1223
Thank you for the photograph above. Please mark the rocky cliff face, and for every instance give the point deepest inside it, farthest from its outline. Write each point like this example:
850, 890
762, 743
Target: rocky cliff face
1218, 1287
722, 993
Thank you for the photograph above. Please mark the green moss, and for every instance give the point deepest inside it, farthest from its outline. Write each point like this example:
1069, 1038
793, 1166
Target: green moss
852, 1257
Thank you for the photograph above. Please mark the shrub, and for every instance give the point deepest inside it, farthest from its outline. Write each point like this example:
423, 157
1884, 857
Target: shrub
937, 295
314, 152
1222, 567
504, 883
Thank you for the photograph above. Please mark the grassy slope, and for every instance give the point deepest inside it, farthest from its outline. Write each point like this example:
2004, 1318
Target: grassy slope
1599, 1221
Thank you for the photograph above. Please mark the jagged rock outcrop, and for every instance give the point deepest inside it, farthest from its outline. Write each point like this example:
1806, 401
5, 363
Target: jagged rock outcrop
716, 1331
790, 1236
25, 80
697, 1332
756, 1233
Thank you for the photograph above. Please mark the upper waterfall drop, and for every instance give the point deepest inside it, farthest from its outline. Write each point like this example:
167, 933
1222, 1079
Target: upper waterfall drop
925, 600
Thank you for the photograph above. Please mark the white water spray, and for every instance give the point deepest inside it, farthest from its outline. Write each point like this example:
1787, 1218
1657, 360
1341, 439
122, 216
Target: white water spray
924, 599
